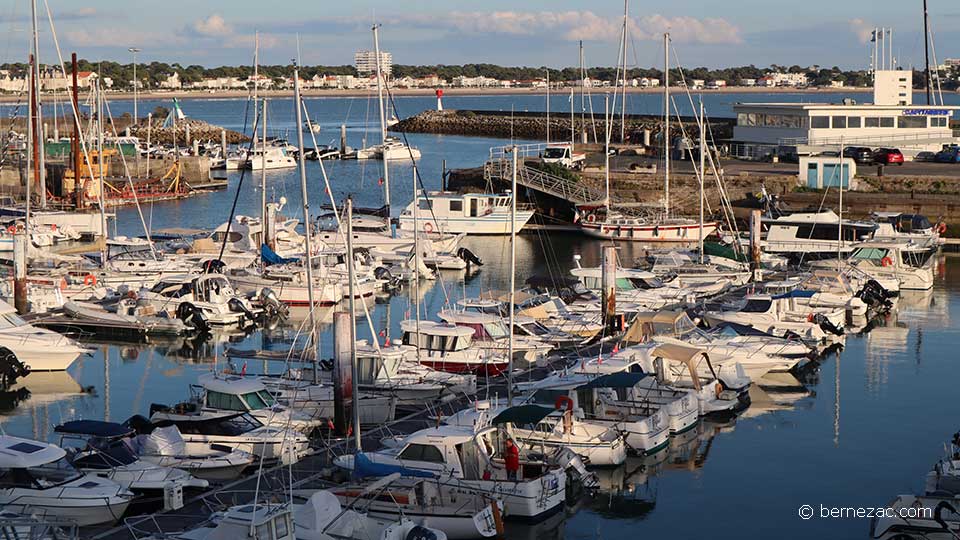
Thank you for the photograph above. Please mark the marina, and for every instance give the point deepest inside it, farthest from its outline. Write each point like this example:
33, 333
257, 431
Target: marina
408, 317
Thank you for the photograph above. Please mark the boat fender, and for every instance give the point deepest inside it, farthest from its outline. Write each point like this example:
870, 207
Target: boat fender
561, 400
428, 227
12, 229
886, 261
941, 228
718, 389
90, 280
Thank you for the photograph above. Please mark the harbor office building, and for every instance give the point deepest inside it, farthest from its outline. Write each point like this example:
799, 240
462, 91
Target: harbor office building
891, 121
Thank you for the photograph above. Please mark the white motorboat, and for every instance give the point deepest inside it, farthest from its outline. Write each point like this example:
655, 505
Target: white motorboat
289, 283
782, 315
165, 446
646, 290
127, 312
442, 212
539, 492
391, 149
269, 158
491, 333
447, 347
298, 392
206, 297
547, 430
898, 226
236, 430
945, 476
37, 348
813, 235
38, 478
910, 264
375, 232
105, 449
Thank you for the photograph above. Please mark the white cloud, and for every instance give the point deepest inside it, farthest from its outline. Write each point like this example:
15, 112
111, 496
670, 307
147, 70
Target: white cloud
212, 26
582, 25
862, 29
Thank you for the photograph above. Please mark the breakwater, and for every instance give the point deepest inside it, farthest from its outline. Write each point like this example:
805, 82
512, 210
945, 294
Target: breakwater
184, 132
533, 125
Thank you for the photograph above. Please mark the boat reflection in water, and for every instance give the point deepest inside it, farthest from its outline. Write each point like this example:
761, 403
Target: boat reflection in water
39, 388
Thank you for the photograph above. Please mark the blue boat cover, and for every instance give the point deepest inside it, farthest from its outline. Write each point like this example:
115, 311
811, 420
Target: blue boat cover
270, 256
363, 467
615, 380
796, 293
95, 428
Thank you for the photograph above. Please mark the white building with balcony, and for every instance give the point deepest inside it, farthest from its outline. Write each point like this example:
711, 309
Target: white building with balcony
892, 120
366, 62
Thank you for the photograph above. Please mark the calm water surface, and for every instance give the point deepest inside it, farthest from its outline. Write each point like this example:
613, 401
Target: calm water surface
862, 427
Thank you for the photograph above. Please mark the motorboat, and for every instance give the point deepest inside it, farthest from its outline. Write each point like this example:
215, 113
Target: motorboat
898, 226
545, 429
447, 347
646, 289
316, 399
944, 479
37, 348
129, 313
781, 315
611, 224
539, 491
687, 271
208, 297
814, 235
234, 430
289, 283
269, 158
442, 212
911, 264
391, 149
38, 478
105, 450
165, 446
373, 230
491, 333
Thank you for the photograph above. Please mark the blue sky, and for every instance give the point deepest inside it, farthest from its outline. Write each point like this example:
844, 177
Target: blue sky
533, 33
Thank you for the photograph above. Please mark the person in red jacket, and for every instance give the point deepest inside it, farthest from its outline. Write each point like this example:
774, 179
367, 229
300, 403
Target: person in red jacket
511, 460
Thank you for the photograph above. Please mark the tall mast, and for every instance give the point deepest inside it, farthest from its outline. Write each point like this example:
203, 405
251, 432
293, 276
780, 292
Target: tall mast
256, 82
926, 48
383, 119
623, 101
548, 106
703, 143
666, 125
606, 152
513, 274
31, 89
263, 177
306, 222
40, 172
354, 392
583, 103
103, 207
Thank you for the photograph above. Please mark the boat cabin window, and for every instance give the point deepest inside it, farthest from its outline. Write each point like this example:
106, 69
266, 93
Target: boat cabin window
233, 237
225, 402
826, 231
456, 206
915, 259
52, 474
433, 342
469, 454
368, 367
425, 204
496, 330
171, 289
535, 328
225, 427
422, 452
756, 305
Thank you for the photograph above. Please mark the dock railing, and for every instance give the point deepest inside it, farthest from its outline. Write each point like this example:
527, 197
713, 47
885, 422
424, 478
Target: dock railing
533, 150
574, 191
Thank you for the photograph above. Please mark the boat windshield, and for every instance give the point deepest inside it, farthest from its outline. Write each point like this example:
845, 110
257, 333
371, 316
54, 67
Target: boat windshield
868, 254
11, 320
232, 426
535, 328
252, 401
53, 474
756, 305
105, 454
496, 329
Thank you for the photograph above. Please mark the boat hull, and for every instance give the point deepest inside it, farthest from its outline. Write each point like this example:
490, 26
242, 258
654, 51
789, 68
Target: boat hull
648, 233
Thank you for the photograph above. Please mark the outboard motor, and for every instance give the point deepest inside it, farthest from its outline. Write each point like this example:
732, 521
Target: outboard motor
826, 325
419, 532
214, 266
271, 302
11, 368
571, 462
469, 257
875, 296
193, 316
237, 306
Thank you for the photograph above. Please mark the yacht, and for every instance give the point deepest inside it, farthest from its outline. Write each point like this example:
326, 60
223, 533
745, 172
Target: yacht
444, 212
491, 333
907, 262
165, 446
898, 226
375, 231
782, 315
104, 449
539, 492
209, 297
814, 235
38, 478
37, 348
447, 347
646, 290
391, 149
269, 158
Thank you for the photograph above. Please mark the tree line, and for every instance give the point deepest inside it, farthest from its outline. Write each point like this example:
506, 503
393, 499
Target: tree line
153, 73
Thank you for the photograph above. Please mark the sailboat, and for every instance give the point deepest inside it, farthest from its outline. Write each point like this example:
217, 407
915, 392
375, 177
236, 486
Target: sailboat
602, 221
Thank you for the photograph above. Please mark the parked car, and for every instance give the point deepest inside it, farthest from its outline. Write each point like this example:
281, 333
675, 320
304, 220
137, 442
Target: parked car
888, 156
860, 154
949, 155
925, 157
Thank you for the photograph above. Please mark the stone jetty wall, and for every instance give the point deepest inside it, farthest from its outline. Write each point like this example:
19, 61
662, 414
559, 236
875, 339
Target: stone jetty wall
185, 132
526, 125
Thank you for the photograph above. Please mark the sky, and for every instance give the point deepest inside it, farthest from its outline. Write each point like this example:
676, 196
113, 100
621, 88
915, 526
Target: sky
709, 33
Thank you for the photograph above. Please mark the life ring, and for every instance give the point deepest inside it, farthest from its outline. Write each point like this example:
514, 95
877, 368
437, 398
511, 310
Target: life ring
941, 228
12, 229
591, 218
809, 317
561, 400
886, 261
90, 280
428, 227
63, 284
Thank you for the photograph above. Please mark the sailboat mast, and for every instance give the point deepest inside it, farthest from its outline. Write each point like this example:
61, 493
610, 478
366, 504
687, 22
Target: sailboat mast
926, 49
623, 101
513, 275
383, 119
256, 81
666, 125
606, 153
100, 156
840, 215
583, 102
548, 106
703, 160
263, 177
306, 223
31, 90
351, 277
38, 112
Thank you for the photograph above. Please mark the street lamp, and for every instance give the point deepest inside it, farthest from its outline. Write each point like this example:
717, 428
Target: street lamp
135, 50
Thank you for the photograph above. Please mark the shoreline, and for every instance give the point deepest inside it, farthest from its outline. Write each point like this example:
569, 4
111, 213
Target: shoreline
448, 92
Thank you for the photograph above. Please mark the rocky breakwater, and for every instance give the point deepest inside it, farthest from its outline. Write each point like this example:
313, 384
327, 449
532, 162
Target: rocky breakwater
185, 131
533, 125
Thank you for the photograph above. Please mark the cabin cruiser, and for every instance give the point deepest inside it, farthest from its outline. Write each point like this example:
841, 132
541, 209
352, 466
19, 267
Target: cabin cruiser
524, 325
165, 446
208, 296
687, 271
299, 393
538, 428
907, 262
242, 242
37, 348
897, 226
646, 289
443, 212
814, 235
374, 231
781, 315
38, 477
392, 149
236, 430
105, 450
492, 334
447, 347
471, 459
219, 393
269, 158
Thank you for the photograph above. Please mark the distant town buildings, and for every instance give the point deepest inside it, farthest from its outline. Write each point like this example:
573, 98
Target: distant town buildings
366, 62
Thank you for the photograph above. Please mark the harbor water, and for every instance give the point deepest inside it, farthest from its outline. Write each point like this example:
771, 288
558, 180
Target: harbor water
858, 428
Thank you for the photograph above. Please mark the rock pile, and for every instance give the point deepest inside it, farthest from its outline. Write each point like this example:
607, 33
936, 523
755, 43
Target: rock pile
184, 132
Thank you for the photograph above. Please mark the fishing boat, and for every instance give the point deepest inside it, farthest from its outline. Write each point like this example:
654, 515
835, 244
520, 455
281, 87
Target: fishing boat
38, 478
442, 212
